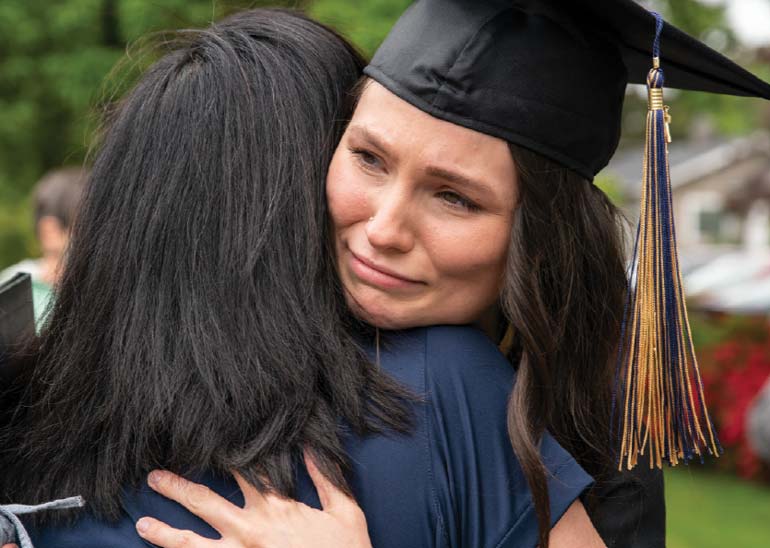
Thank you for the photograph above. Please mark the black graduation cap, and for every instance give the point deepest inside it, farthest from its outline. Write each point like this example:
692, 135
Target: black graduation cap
550, 76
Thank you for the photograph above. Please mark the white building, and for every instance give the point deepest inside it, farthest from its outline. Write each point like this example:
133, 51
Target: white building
721, 200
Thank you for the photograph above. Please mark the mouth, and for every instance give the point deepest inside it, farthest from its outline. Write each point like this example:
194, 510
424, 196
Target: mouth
377, 275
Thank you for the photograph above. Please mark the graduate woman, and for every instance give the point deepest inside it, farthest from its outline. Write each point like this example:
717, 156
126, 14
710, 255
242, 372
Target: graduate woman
464, 178
200, 327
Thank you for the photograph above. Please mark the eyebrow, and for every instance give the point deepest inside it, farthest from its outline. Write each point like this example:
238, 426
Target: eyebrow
361, 132
364, 133
459, 179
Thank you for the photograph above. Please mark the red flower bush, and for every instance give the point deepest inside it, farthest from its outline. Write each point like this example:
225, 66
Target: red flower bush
735, 367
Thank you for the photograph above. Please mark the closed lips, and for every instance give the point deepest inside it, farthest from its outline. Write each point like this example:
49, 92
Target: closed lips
383, 270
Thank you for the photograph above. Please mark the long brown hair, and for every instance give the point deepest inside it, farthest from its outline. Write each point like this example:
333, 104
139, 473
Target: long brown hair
563, 295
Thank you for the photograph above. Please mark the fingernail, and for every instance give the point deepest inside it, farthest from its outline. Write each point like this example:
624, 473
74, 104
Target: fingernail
155, 477
143, 525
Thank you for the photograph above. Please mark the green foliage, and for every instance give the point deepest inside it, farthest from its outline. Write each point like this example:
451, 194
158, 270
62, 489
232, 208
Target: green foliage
611, 186
696, 18
711, 329
364, 23
54, 58
727, 115
16, 232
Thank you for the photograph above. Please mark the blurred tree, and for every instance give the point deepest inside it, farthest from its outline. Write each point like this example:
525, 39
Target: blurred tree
54, 57
365, 23
611, 186
696, 111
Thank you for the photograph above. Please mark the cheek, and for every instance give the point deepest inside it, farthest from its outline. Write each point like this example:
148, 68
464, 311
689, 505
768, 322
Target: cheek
473, 262
471, 273
345, 195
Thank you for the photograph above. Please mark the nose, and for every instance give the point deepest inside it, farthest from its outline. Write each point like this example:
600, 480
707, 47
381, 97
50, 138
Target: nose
389, 229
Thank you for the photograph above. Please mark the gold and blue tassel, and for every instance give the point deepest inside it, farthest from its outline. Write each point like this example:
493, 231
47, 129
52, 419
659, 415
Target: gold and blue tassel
658, 403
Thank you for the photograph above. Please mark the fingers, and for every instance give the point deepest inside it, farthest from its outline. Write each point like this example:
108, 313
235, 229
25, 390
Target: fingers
220, 513
326, 489
332, 499
265, 507
166, 536
251, 495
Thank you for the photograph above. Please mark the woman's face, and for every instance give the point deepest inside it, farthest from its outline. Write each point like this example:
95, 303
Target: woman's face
422, 212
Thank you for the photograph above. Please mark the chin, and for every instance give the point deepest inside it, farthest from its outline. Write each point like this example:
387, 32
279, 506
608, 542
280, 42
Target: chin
380, 316
384, 322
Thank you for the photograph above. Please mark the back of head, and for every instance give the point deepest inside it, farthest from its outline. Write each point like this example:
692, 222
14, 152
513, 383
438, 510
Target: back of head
198, 323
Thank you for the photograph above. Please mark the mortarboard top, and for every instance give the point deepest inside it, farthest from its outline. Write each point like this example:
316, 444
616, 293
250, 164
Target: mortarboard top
548, 75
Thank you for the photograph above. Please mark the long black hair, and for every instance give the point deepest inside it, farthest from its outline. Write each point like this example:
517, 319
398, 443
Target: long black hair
199, 323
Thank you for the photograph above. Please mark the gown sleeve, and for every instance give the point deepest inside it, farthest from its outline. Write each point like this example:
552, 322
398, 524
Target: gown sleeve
628, 508
482, 495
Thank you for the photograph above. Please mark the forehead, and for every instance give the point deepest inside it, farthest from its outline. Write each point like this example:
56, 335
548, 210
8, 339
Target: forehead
408, 130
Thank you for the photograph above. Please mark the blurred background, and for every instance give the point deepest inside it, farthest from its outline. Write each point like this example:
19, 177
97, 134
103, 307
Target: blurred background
58, 70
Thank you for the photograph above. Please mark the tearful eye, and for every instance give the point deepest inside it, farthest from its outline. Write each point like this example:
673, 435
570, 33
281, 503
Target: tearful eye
457, 201
366, 159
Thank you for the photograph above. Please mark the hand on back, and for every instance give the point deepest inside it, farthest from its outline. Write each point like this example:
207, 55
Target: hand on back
265, 521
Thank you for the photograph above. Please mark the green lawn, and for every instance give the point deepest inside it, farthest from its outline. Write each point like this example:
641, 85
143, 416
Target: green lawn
705, 510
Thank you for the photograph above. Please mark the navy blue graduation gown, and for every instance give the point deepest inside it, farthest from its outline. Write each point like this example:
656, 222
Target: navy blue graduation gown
453, 482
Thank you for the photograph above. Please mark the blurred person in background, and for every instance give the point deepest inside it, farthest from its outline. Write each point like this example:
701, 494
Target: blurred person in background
56, 197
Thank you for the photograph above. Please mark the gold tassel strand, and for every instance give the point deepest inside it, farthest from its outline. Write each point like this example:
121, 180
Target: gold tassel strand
658, 380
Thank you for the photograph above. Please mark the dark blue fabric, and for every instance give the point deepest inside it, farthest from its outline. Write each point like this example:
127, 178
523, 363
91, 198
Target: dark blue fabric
453, 482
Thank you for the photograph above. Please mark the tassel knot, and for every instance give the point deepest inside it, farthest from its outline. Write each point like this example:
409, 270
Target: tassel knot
655, 78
